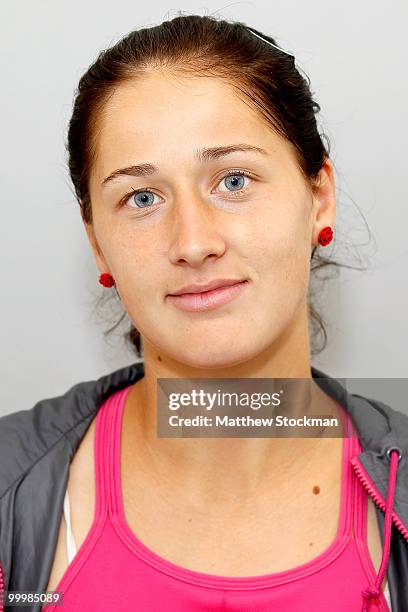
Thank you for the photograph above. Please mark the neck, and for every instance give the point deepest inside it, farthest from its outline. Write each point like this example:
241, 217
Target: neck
226, 467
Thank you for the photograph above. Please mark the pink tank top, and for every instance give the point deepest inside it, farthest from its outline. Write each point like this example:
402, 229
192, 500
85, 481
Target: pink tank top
114, 570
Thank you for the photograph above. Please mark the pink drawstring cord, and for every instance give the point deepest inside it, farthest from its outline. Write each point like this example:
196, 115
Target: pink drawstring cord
374, 591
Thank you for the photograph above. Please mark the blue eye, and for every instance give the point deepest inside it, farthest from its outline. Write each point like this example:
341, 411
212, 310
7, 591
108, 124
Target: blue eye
235, 179
140, 197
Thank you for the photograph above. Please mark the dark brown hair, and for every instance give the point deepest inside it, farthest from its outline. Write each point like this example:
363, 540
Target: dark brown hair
264, 76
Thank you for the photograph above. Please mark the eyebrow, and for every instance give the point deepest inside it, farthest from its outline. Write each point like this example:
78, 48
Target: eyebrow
202, 155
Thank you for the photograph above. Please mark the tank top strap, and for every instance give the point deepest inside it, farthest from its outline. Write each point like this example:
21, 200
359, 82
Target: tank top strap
357, 499
360, 500
347, 483
107, 452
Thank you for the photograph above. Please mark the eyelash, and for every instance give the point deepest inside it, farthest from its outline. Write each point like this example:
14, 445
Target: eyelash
232, 172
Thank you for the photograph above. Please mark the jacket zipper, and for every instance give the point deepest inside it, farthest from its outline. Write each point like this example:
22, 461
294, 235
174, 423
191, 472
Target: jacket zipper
374, 493
1, 587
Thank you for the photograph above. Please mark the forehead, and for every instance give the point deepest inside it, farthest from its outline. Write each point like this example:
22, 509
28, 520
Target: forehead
162, 116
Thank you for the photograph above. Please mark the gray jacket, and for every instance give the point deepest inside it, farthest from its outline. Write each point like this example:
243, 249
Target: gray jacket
37, 445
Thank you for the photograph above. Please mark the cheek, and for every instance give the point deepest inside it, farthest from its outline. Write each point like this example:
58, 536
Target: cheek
140, 284
277, 236
134, 268
279, 250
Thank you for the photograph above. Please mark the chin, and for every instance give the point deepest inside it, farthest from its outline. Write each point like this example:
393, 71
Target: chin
215, 359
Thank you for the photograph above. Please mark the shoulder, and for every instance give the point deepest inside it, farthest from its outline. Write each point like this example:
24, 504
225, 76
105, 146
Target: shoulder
52, 429
28, 436
378, 423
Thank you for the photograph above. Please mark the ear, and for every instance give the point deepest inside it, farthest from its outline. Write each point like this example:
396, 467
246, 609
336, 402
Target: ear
324, 196
98, 255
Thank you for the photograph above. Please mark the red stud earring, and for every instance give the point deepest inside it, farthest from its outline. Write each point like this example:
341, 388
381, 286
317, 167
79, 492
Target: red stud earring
106, 280
325, 236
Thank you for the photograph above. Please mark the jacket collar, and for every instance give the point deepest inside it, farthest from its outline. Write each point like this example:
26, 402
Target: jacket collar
378, 425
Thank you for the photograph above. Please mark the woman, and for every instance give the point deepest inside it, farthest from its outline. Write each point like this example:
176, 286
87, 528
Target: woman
196, 160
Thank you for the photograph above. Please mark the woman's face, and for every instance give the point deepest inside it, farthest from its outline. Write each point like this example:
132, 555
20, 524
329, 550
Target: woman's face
193, 222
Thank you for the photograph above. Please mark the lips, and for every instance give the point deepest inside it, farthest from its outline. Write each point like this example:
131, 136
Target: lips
214, 284
208, 300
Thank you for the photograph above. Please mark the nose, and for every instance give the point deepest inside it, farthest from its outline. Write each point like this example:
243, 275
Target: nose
196, 233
